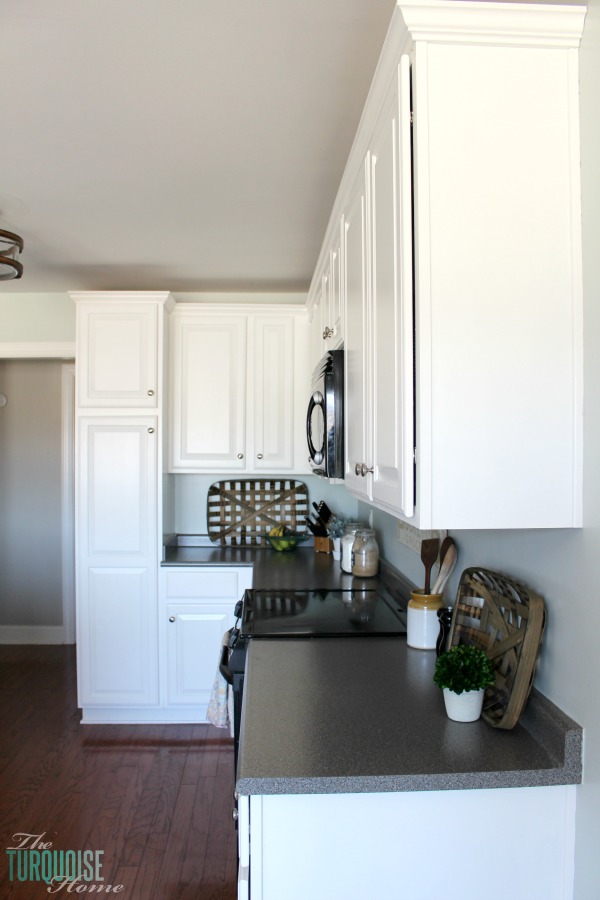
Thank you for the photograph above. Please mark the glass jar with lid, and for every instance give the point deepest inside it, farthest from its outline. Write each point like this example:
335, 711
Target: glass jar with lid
365, 553
346, 545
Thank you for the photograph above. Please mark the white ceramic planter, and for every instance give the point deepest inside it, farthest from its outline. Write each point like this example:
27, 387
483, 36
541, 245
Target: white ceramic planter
465, 707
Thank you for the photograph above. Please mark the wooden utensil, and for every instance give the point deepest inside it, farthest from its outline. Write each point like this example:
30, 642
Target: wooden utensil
446, 567
446, 544
429, 554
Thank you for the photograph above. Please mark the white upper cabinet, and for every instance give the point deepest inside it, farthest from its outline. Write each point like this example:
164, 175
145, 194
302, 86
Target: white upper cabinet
469, 385
271, 440
238, 386
357, 376
379, 314
208, 390
391, 287
119, 365
326, 302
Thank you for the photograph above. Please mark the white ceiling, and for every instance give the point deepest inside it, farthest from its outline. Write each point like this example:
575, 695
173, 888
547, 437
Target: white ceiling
184, 145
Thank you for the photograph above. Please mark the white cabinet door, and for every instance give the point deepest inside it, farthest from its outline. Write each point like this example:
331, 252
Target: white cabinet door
194, 636
208, 394
327, 322
197, 606
116, 561
117, 637
335, 308
272, 368
392, 353
357, 376
238, 391
117, 347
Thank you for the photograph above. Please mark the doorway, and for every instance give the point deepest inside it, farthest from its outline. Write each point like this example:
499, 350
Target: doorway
37, 584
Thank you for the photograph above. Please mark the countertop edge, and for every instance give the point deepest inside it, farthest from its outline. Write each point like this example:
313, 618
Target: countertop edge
558, 734
365, 784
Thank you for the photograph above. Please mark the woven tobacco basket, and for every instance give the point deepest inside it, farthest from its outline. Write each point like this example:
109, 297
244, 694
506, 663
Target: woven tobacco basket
506, 620
242, 511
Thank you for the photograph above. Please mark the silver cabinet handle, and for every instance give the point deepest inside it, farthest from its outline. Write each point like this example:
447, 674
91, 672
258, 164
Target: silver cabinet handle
364, 470
357, 469
171, 618
151, 393
259, 456
234, 815
151, 431
240, 455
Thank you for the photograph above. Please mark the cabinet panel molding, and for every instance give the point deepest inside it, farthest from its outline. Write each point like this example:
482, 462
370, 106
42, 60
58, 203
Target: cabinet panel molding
118, 630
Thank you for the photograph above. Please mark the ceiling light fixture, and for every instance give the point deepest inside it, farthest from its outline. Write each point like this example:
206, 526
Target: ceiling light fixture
10, 246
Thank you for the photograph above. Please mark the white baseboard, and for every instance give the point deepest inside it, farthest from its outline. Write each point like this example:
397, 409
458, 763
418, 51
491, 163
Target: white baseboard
139, 715
32, 634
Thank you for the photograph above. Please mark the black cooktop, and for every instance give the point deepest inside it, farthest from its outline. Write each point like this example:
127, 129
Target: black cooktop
327, 613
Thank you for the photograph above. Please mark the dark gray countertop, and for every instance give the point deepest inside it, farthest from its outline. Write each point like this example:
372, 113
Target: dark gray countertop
302, 568
363, 715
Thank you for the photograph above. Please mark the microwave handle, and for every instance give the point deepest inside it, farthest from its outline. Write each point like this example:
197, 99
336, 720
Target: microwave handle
314, 453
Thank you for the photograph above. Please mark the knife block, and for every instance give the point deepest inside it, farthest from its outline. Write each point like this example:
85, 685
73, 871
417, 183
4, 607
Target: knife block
323, 544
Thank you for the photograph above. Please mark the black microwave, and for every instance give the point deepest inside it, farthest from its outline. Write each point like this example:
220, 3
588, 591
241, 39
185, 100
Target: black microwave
325, 417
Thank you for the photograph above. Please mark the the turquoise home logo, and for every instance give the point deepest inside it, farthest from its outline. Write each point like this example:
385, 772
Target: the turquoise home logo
31, 857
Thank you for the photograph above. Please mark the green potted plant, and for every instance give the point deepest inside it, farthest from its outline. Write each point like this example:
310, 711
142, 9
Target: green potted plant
463, 672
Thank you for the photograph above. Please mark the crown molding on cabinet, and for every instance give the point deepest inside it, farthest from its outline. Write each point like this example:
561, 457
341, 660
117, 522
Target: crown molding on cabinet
125, 296
37, 350
505, 24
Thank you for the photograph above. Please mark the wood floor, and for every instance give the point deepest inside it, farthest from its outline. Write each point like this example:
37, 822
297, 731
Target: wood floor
156, 799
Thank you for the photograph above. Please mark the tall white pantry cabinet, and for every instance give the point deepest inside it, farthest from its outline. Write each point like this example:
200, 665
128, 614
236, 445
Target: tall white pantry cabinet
119, 422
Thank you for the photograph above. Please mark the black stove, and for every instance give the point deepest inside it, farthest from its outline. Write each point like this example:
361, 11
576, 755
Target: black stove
319, 614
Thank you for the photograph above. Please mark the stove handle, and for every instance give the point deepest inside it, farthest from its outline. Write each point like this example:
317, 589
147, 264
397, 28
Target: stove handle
224, 669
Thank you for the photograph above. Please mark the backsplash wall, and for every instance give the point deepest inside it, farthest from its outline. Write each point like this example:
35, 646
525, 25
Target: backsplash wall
189, 493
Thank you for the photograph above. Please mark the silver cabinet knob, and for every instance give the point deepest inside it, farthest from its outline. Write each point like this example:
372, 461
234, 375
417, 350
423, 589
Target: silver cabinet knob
327, 333
151, 393
259, 456
151, 431
364, 470
171, 618
234, 815
240, 455
357, 469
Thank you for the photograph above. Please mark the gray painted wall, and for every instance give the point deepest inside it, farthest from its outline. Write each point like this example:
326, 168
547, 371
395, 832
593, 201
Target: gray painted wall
30, 493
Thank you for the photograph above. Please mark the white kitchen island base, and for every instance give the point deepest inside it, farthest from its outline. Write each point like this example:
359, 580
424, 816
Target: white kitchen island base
460, 845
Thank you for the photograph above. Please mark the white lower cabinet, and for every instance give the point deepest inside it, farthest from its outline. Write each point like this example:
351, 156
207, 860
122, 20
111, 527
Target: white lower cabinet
118, 631
197, 609
408, 846
193, 633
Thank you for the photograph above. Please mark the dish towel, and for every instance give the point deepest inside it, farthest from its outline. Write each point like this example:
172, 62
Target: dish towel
220, 707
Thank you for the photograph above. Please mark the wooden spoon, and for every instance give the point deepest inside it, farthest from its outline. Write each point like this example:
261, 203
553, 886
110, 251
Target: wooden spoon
446, 568
429, 554
446, 544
